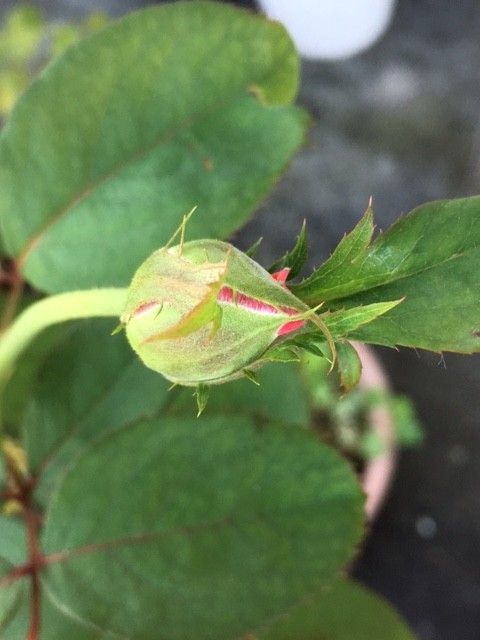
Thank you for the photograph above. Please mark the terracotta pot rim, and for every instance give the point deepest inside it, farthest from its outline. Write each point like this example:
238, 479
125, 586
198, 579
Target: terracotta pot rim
379, 471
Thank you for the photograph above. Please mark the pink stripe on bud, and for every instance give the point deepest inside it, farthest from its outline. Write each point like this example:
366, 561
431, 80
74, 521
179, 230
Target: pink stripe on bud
290, 327
226, 294
146, 306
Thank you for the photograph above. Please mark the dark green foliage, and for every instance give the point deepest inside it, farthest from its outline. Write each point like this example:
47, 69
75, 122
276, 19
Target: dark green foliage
170, 107
429, 258
347, 611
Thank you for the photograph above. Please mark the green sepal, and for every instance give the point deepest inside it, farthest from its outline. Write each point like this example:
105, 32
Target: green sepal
342, 323
349, 366
201, 395
250, 252
205, 312
118, 329
281, 353
252, 376
294, 259
351, 249
307, 342
339, 324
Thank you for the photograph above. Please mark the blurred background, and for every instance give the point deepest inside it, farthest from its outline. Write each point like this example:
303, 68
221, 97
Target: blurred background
394, 94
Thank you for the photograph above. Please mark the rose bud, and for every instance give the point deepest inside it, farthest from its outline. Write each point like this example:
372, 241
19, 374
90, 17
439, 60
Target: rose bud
203, 313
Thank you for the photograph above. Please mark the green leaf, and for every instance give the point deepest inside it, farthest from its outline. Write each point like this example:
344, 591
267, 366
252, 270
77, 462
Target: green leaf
345, 321
12, 539
193, 519
308, 342
348, 255
345, 612
441, 311
295, 259
408, 429
431, 257
55, 623
91, 383
17, 392
349, 366
280, 396
12, 552
340, 323
170, 107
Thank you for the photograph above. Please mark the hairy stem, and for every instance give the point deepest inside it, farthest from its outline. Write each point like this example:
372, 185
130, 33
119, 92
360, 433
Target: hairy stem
55, 310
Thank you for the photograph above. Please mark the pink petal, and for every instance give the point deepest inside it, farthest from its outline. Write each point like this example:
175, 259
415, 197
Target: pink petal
282, 275
289, 327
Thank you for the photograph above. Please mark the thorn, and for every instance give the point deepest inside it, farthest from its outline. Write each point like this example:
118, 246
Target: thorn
172, 386
201, 393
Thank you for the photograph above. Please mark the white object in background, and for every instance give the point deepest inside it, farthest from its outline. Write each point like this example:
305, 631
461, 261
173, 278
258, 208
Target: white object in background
331, 29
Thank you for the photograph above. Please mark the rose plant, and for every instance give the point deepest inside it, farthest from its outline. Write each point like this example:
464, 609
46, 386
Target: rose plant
124, 515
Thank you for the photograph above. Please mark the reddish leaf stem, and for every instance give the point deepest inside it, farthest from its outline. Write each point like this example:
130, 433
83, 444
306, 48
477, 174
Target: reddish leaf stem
14, 280
35, 601
35, 559
15, 574
23, 494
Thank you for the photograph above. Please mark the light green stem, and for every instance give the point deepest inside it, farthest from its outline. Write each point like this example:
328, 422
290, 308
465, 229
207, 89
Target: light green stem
54, 310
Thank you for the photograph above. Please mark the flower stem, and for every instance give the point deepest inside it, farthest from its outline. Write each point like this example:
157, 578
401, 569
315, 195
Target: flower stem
55, 309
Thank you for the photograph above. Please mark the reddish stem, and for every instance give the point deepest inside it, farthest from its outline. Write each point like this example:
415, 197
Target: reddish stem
11, 494
6, 279
32, 522
36, 561
35, 601
12, 304
13, 278
15, 574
